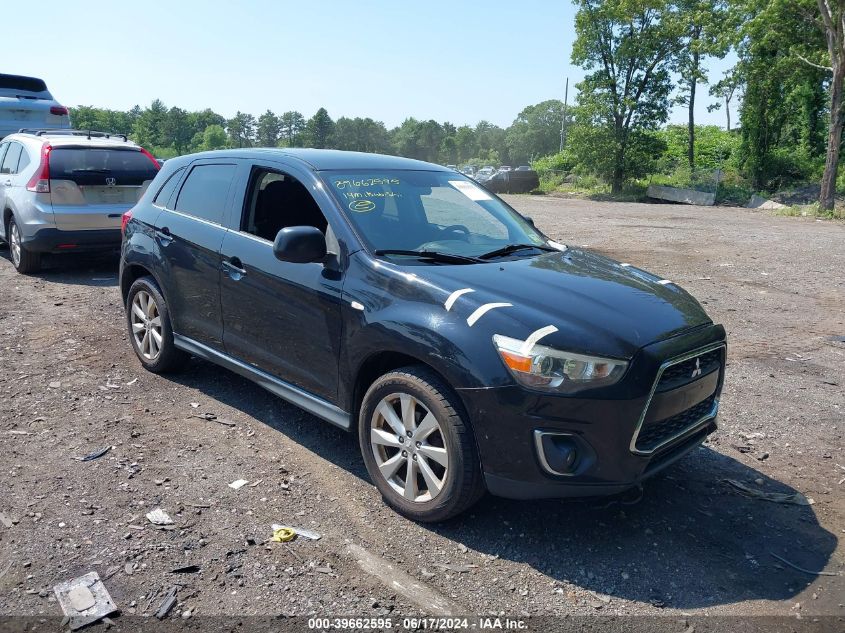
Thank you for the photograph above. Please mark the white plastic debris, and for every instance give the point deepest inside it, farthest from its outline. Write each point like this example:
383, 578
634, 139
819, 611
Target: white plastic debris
159, 517
84, 600
238, 484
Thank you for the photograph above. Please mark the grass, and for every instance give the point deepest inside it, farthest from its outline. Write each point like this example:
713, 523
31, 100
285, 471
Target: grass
811, 211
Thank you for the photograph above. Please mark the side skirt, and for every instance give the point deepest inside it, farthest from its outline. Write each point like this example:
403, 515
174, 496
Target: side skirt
304, 400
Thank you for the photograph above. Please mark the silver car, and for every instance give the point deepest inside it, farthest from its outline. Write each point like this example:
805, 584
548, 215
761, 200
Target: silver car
26, 102
66, 191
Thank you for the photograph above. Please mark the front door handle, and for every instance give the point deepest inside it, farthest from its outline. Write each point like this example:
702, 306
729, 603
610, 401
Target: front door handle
8, 183
234, 268
164, 235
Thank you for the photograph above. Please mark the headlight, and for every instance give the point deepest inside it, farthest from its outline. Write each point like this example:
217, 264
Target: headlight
550, 369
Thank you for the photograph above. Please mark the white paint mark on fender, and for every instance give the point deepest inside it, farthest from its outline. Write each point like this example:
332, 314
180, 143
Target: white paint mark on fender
357, 306
481, 311
536, 336
454, 297
664, 282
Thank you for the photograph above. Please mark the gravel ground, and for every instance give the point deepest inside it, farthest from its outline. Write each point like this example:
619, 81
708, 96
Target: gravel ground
688, 545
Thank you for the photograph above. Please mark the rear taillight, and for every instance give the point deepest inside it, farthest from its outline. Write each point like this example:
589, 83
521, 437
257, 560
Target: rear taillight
124, 220
59, 110
151, 157
40, 181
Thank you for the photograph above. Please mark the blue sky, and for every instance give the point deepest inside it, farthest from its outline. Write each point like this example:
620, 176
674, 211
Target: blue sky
449, 61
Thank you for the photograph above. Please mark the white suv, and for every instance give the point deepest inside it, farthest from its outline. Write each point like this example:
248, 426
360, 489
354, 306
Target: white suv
26, 102
66, 190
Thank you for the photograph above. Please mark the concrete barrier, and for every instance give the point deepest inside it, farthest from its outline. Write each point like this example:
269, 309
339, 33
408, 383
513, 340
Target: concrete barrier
685, 196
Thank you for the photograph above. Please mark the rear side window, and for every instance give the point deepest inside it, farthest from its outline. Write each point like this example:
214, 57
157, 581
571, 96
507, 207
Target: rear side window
164, 194
94, 166
23, 163
205, 191
27, 84
10, 161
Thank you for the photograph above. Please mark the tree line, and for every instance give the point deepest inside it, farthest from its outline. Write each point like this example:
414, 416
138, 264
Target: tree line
642, 58
173, 131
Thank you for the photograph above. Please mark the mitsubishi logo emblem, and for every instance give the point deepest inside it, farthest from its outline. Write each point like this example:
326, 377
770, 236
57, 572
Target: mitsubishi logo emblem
697, 371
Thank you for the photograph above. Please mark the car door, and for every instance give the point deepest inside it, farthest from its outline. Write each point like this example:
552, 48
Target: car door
189, 232
281, 317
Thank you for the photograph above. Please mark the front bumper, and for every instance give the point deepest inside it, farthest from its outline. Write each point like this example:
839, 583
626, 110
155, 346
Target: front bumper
52, 240
510, 423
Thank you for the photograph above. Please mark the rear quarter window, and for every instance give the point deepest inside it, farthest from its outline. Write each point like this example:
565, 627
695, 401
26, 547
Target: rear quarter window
166, 192
205, 192
92, 166
10, 161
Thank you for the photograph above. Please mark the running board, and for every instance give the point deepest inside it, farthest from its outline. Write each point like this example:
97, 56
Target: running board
304, 400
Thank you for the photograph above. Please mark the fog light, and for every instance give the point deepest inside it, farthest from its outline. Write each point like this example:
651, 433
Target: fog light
558, 452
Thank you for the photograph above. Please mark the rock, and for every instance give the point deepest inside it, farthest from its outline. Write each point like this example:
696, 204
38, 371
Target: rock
759, 202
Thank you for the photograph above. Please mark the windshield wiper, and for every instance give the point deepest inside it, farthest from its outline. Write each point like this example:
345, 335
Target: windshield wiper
437, 256
512, 248
91, 171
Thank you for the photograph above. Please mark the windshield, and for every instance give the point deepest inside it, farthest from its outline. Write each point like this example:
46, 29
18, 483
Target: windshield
429, 211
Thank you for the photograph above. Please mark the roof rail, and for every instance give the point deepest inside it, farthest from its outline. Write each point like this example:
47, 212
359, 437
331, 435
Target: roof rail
66, 132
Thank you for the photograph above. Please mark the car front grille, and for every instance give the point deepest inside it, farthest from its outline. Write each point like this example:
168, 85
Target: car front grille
654, 434
685, 372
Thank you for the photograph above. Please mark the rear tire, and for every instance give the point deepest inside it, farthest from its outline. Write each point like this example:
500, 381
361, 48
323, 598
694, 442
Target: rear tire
411, 422
150, 330
24, 260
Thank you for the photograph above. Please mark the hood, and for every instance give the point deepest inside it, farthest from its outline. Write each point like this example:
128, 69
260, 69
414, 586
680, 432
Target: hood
598, 305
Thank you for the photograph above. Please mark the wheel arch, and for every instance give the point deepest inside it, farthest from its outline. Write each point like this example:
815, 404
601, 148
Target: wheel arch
385, 361
131, 273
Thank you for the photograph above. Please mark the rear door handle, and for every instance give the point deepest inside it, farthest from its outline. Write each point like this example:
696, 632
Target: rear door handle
164, 235
234, 268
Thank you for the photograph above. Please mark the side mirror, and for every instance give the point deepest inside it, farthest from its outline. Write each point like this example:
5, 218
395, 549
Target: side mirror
300, 245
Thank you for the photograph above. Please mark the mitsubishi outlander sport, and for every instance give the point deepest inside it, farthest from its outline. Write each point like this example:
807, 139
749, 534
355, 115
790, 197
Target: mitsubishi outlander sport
399, 300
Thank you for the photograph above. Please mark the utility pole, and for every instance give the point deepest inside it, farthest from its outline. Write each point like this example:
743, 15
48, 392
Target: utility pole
563, 119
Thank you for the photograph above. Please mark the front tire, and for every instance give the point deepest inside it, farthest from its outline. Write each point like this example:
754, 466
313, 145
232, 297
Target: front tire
417, 446
150, 330
24, 260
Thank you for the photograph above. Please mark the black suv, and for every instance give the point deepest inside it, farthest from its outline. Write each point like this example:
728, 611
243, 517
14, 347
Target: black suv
399, 300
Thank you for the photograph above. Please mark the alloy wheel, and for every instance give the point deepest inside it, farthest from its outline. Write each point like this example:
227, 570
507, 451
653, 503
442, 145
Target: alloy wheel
408, 444
146, 325
15, 243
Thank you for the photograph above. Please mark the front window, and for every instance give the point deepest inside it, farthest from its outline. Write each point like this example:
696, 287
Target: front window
430, 211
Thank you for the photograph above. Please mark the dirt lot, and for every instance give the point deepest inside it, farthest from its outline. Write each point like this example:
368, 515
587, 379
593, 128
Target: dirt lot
689, 545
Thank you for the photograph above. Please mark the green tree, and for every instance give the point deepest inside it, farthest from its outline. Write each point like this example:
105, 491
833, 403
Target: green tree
269, 130
707, 33
627, 46
783, 109
148, 128
832, 24
241, 129
536, 131
319, 131
177, 131
361, 135
292, 125
465, 143
726, 88
213, 137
